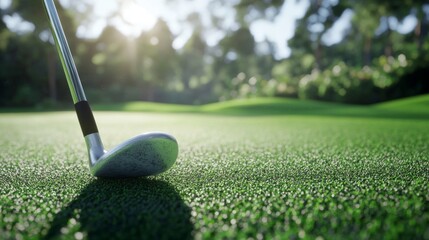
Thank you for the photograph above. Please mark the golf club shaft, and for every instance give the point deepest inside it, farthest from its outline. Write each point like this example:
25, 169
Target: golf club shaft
83, 110
63, 49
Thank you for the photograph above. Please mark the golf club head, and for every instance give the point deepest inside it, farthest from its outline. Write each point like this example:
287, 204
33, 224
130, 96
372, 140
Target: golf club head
144, 155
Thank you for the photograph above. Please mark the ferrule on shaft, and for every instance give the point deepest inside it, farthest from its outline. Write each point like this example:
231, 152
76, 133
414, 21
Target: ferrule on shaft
86, 118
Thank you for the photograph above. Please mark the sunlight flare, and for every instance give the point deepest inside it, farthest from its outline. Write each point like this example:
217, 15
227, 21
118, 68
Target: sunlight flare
138, 16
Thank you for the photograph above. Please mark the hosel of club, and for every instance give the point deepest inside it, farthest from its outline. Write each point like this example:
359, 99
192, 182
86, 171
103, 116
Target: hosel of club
83, 110
90, 132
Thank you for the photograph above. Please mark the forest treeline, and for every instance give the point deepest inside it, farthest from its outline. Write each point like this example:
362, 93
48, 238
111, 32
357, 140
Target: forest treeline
373, 62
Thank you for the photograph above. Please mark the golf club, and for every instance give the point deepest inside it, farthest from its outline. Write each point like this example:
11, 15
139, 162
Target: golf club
144, 155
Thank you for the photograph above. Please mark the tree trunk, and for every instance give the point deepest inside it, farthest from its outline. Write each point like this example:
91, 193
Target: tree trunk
150, 93
419, 30
367, 51
52, 76
388, 49
318, 55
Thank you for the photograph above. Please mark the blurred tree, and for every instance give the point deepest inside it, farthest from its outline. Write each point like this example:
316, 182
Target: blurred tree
237, 58
22, 73
192, 62
4, 31
115, 63
157, 59
35, 14
366, 19
402, 9
374, 57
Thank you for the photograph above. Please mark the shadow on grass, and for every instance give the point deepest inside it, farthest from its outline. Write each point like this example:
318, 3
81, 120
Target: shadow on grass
125, 209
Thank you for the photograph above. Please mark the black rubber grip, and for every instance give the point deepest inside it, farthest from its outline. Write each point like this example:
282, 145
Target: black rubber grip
86, 119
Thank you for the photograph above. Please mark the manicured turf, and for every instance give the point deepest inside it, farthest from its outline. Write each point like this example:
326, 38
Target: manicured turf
414, 107
258, 169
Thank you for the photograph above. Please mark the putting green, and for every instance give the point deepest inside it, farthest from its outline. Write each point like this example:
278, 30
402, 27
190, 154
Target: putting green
292, 175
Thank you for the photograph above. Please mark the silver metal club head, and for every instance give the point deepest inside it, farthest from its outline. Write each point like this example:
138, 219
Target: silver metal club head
144, 155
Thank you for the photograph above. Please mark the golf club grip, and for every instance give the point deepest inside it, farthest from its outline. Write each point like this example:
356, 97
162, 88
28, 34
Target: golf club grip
86, 118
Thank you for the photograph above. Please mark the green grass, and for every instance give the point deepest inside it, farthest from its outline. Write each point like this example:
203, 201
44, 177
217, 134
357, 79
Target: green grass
415, 107
421, 101
266, 168
146, 107
253, 106
417, 104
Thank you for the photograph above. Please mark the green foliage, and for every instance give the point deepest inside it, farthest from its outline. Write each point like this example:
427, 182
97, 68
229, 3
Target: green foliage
343, 83
240, 41
22, 71
373, 62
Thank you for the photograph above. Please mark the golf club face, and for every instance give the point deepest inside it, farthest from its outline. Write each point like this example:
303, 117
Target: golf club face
144, 155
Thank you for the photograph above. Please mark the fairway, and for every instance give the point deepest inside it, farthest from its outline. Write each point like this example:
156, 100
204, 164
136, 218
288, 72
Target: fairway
346, 174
